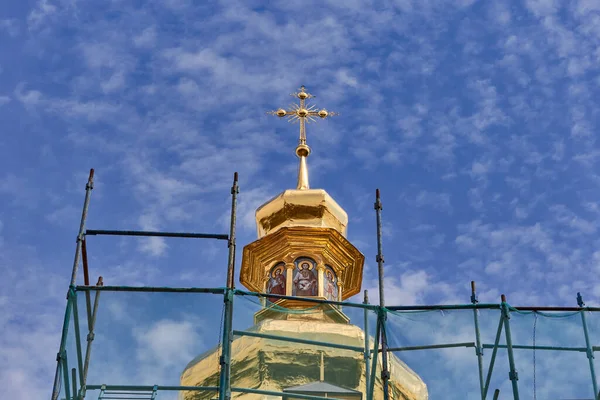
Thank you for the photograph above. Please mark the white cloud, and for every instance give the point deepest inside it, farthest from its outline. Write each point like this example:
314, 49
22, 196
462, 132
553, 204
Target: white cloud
167, 343
43, 10
11, 26
27, 97
146, 38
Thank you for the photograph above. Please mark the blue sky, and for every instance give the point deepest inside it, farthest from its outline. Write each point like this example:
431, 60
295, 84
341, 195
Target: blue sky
476, 120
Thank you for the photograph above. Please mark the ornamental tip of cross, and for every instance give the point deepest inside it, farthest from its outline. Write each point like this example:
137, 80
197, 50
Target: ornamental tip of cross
302, 113
302, 94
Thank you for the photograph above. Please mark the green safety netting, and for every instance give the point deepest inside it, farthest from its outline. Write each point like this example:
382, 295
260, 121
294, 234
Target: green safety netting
157, 338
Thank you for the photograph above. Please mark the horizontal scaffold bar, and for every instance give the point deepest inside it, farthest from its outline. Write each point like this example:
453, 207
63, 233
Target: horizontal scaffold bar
297, 340
323, 301
487, 306
279, 394
202, 389
149, 289
307, 299
133, 388
432, 346
444, 307
524, 347
219, 236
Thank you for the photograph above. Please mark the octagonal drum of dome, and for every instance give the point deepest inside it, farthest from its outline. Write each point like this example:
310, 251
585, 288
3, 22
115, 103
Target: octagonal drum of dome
310, 208
326, 246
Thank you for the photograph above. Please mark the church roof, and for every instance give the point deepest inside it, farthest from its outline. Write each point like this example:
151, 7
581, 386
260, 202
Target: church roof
321, 387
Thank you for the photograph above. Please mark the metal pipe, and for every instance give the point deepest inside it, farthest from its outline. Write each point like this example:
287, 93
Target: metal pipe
493, 358
297, 340
375, 354
445, 307
205, 388
478, 348
225, 361
487, 306
90, 232
307, 299
385, 373
279, 394
90, 339
148, 289
589, 348
86, 203
74, 381
432, 346
61, 349
88, 190
86, 280
513, 375
142, 388
496, 394
231, 244
536, 347
84, 260
367, 354
378, 207
66, 375
77, 336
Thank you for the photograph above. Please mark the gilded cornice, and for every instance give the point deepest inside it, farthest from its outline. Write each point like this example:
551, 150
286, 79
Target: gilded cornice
324, 245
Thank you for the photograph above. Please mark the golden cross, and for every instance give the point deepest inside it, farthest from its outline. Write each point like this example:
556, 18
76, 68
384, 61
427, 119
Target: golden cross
302, 112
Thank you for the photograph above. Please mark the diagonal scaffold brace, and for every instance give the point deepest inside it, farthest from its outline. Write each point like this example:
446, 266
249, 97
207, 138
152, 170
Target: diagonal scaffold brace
80, 235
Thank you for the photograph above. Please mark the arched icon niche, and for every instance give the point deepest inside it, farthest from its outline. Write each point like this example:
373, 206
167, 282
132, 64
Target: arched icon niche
305, 281
330, 284
277, 281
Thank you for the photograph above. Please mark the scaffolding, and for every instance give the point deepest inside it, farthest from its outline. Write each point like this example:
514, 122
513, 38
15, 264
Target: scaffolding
485, 329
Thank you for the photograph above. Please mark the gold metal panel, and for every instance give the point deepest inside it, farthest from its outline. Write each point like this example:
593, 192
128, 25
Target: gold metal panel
309, 208
325, 245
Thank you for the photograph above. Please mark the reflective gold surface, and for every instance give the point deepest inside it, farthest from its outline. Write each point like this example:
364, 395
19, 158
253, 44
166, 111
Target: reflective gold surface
324, 245
269, 364
308, 208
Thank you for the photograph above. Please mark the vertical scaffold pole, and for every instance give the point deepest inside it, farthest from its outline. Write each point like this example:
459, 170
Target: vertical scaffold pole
77, 337
375, 353
90, 337
74, 382
382, 317
88, 191
513, 375
478, 348
367, 352
225, 361
589, 349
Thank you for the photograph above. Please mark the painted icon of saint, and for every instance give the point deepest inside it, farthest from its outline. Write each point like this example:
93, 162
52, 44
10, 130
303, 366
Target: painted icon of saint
305, 281
331, 292
276, 283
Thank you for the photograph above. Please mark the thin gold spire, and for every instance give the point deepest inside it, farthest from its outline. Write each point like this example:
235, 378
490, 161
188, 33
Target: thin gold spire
303, 113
